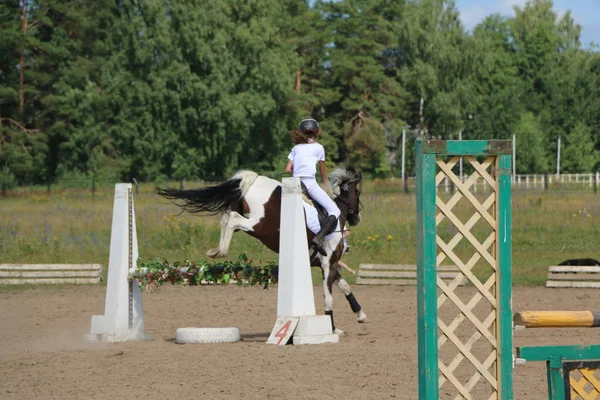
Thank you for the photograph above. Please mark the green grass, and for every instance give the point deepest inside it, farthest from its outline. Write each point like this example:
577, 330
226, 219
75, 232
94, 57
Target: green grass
72, 226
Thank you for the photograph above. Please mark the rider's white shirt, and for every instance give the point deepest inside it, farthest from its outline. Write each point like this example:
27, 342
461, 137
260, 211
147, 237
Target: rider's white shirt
305, 157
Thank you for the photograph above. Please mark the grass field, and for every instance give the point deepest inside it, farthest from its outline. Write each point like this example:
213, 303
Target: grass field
72, 226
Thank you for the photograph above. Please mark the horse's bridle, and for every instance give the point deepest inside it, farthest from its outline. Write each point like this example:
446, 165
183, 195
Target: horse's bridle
347, 202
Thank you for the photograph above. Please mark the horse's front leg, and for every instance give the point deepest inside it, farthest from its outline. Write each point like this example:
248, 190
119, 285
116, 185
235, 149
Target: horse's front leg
354, 304
234, 221
328, 279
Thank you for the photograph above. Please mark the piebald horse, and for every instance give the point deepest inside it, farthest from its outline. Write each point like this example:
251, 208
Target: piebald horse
251, 203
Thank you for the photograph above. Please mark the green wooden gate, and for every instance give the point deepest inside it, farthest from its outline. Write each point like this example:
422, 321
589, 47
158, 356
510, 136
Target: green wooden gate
573, 372
465, 333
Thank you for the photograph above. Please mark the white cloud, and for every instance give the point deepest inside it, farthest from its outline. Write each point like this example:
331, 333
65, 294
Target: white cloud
585, 12
472, 14
507, 6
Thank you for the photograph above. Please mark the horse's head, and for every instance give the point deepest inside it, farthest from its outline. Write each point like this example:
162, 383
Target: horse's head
344, 183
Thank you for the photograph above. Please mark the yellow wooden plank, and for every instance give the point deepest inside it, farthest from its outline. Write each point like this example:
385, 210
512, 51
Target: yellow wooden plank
590, 375
555, 319
579, 388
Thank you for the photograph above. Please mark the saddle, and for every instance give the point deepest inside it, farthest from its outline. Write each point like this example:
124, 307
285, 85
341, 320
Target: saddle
321, 211
323, 216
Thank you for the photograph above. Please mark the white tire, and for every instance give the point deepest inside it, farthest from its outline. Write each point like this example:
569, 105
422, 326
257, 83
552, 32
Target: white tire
207, 335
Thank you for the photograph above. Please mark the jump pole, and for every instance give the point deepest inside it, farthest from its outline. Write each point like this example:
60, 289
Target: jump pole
296, 313
557, 319
123, 318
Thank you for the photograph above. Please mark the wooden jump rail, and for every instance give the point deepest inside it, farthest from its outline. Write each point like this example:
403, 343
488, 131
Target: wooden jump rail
18, 274
400, 274
557, 319
569, 276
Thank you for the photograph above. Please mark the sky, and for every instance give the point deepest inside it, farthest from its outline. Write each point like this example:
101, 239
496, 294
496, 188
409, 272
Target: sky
585, 12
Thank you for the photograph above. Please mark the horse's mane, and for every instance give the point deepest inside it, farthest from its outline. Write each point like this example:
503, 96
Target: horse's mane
340, 177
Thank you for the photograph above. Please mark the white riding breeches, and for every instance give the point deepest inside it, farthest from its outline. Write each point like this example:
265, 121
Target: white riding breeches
319, 195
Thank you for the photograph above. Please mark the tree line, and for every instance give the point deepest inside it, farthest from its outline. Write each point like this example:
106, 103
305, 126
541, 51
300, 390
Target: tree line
156, 89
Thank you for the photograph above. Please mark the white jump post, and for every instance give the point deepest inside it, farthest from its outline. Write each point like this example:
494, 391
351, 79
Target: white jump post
295, 296
123, 318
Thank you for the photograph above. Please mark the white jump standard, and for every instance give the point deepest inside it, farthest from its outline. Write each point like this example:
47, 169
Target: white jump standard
295, 296
123, 317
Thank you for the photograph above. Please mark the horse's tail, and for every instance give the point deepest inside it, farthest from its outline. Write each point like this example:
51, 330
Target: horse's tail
212, 199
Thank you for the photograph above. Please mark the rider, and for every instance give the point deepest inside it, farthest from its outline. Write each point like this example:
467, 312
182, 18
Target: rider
302, 162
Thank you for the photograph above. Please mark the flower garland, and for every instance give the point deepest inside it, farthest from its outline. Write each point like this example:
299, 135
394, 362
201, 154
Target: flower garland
151, 274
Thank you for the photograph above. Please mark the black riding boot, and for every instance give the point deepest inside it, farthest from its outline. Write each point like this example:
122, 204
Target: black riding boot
328, 227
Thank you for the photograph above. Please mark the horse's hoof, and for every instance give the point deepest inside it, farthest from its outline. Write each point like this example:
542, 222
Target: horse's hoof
338, 331
214, 253
362, 317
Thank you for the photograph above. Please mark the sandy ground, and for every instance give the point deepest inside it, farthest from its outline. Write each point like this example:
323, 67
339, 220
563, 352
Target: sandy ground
43, 356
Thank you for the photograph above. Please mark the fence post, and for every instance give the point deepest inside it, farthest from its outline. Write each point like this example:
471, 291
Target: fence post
181, 184
137, 186
545, 181
596, 182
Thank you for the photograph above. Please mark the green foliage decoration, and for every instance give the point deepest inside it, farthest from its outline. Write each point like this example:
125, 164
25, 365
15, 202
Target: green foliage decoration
153, 273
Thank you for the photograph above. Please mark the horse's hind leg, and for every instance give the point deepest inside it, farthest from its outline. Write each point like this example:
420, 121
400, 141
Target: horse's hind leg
230, 224
223, 219
356, 308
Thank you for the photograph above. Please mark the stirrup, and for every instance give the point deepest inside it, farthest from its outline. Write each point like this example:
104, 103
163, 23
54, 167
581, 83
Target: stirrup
328, 227
319, 247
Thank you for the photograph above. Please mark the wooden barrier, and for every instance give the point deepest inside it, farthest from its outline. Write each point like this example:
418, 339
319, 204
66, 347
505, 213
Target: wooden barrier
557, 319
17, 274
573, 371
393, 274
571, 276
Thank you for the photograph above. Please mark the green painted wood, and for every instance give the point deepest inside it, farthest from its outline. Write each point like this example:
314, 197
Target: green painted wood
554, 356
427, 335
571, 353
556, 380
426, 152
504, 275
467, 147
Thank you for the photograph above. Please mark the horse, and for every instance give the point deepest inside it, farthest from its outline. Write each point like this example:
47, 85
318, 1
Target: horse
251, 203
